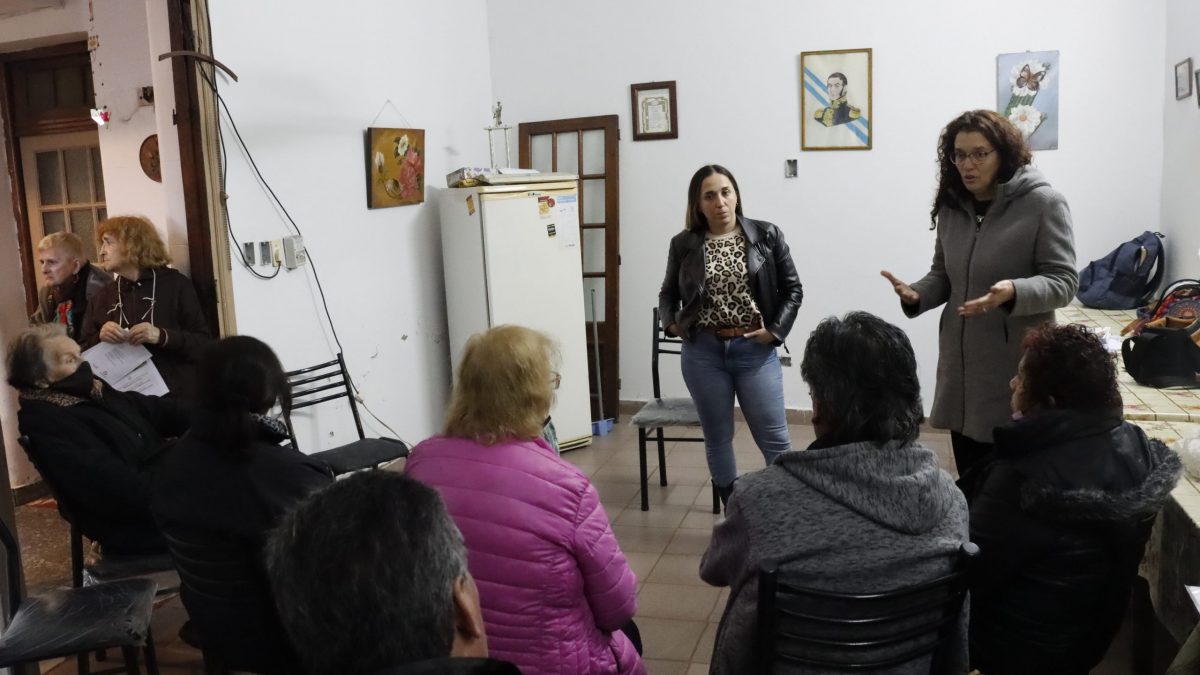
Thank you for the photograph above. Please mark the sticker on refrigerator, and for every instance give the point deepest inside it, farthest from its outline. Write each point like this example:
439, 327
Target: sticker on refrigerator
470, 205
566, 210
545, 206
551, 231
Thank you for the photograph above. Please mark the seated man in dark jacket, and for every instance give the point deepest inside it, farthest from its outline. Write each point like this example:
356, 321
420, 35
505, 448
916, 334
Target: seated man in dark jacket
93, 445
370, 576
1061, 513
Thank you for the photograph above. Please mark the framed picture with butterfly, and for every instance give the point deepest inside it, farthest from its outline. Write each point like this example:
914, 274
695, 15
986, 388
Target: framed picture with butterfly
1027, 94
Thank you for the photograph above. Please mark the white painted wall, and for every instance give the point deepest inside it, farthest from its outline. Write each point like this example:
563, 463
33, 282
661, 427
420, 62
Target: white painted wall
44, 26
849, 213
309, 88
1181, 145
120, 66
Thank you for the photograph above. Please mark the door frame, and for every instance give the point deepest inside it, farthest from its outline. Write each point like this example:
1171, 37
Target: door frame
608, 329
13, 157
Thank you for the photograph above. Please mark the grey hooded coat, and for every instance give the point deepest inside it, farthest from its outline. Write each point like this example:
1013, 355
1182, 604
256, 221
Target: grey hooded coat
855, 518
1025, 236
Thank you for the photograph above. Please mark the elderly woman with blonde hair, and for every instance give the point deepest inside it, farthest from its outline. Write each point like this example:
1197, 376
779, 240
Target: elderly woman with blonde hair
558, 595
70, 282
148, 303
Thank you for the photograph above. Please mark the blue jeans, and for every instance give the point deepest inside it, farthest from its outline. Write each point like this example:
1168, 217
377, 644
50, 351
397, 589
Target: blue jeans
715, 370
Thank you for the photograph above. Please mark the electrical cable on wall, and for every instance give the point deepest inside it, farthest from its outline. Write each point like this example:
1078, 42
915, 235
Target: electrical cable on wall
223, 160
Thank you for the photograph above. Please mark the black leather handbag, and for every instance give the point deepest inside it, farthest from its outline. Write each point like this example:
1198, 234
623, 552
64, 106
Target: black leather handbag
1164, 354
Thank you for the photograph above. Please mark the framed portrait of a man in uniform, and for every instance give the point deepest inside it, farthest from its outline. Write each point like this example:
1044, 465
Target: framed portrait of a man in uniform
835, 101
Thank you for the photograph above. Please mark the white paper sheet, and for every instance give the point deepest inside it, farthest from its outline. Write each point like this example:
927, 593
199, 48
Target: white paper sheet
145, 379
126, 367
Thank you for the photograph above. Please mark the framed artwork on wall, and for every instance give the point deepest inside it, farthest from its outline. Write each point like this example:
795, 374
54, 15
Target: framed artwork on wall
1183, 79
835, 100
395, 167
1027, 94
655, 116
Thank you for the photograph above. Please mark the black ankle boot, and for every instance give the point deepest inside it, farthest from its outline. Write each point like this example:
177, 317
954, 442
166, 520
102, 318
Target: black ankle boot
723, 493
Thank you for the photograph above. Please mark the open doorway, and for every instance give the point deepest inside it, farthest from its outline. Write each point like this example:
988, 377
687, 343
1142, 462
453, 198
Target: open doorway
59, 60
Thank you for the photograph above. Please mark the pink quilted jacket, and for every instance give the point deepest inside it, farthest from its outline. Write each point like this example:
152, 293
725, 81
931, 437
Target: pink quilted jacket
554, 585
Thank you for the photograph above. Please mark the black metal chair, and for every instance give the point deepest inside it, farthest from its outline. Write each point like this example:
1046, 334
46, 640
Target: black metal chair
229, 602
327, 382
858, 631
76, 621
659, 413
113, 566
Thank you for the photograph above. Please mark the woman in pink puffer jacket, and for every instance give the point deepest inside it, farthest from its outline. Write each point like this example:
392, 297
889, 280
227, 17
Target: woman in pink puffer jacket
555, 588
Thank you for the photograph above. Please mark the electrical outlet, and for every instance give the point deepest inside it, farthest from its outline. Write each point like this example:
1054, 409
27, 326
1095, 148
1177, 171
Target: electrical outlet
294, 254
276, 252
790, 169
248, 252
264, 253
145, 96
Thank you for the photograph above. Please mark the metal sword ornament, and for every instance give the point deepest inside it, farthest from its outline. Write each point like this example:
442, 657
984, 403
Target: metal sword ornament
500, 126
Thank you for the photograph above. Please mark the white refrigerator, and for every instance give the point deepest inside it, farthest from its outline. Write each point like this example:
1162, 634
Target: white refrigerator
512, 256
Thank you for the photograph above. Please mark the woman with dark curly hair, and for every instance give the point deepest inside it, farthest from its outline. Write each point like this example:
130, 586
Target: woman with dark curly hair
1004, 242
148, 303
1062, 513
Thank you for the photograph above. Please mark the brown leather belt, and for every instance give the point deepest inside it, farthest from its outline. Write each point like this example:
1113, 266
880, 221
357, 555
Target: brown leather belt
729, 332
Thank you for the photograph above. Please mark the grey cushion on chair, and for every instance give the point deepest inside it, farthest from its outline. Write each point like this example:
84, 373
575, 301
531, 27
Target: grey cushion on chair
667, 412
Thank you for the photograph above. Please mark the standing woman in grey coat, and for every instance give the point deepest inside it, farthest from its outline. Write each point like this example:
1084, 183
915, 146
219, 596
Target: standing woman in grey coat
1003, 261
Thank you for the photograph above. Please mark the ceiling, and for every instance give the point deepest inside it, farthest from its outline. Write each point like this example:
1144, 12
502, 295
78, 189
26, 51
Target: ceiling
15, 7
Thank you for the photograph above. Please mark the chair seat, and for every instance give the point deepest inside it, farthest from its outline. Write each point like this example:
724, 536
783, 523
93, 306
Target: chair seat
64, 622
667, 412
366, 453
113, 566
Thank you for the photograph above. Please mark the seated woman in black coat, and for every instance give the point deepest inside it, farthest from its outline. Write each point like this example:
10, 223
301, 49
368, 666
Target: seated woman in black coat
224, 487
93, 445
1062, 512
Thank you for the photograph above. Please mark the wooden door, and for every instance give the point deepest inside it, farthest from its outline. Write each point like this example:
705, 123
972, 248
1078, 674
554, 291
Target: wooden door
587, 146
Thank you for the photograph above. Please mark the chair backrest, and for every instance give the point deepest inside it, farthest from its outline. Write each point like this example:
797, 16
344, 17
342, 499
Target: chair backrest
65, 510
662, 343
12, 571
858, 631
226, 594
317, 384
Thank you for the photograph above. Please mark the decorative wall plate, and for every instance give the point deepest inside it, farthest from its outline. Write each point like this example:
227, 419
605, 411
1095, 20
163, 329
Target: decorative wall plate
148, 157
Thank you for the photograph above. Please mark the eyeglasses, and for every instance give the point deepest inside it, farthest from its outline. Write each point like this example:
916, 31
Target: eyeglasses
976, 157
557, 380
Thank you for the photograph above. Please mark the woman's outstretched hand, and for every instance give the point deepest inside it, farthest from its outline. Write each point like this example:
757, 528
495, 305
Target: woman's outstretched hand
907, 295
1000, 293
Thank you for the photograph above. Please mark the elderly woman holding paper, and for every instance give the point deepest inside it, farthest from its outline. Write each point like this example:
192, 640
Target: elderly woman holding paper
148, 303
95, 446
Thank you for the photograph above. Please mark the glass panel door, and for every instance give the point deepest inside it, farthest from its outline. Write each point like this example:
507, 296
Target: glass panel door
64, 187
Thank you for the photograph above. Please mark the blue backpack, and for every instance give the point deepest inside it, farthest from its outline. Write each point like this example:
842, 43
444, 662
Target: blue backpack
1127, 278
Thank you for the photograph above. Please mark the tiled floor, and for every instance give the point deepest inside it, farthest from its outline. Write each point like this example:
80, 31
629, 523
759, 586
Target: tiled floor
677, 612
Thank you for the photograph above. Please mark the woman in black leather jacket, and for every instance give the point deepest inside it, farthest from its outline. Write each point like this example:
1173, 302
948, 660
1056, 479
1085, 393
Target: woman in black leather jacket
1061, 512
731, 291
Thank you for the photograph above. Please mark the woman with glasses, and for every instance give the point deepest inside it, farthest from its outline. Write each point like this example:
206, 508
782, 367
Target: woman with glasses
558, 595
1003, 261
148, 303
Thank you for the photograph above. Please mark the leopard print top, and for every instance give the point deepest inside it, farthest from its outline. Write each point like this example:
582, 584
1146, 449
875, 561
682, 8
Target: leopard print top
727, 298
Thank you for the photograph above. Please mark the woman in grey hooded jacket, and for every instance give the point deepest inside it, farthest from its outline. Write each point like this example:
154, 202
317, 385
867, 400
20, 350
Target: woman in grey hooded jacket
865, 508
1004, 243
